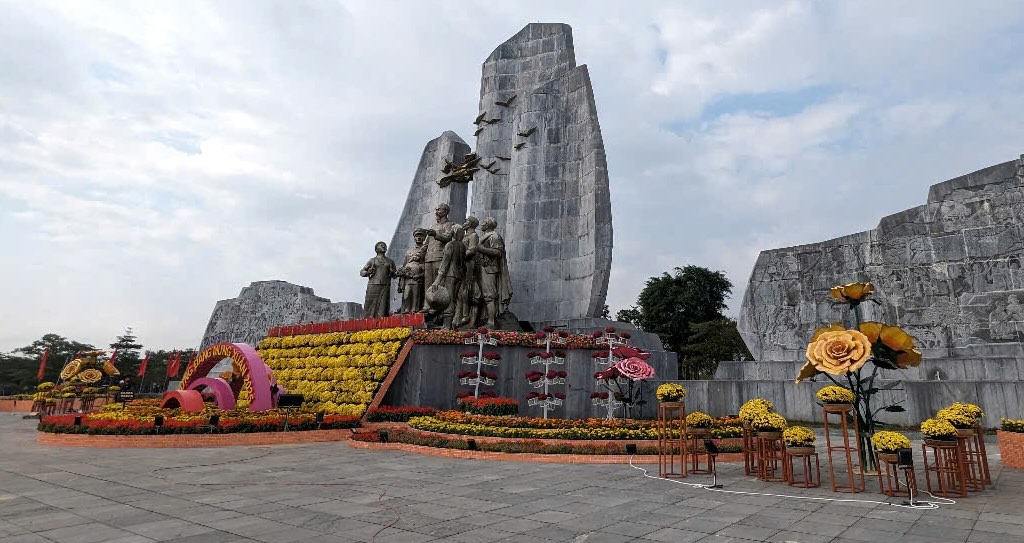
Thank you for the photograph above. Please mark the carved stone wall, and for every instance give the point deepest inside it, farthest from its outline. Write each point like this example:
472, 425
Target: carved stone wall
424, 197
948, 271
265, 304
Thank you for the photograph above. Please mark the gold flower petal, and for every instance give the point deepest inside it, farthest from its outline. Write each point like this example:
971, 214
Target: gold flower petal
871, 329
909, 359
896, 338
807, 372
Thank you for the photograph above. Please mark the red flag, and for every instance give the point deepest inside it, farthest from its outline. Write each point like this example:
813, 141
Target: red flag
174, 364
113, 357
42, 364
142, 366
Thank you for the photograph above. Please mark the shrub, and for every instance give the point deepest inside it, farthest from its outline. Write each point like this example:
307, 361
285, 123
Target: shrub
938, 429
957, 417
490, 406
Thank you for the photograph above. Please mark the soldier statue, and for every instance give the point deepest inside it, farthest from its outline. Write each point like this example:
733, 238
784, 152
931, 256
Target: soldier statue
437, 237
495, 284
410, 274
469, 303
380, 269
450, 273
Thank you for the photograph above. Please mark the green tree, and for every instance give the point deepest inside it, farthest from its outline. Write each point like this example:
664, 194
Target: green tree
128, 359
712, 342
671, 304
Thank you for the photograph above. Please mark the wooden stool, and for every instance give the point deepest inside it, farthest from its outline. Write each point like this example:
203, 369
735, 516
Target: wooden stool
968, 440
672, 449
848, 451
695, 450
749, 450
889, 476
947, 465
771, 457
809, 479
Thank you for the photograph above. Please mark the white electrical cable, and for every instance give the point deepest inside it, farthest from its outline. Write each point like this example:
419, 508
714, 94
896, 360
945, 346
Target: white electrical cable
923, 505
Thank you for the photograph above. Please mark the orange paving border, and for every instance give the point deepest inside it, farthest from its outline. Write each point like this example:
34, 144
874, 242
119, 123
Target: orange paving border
191, 440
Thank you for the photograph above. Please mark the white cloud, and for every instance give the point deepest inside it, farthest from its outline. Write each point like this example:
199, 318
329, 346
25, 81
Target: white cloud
157, 157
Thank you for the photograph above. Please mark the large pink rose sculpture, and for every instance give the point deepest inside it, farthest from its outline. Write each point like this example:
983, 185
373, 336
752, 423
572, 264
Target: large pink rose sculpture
635, 369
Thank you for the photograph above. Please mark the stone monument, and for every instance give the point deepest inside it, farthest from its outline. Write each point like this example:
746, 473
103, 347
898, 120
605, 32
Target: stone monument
265, 304
948, 272
539, 170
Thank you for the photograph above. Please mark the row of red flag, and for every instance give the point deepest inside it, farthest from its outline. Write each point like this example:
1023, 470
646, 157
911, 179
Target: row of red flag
173, 363
353, 325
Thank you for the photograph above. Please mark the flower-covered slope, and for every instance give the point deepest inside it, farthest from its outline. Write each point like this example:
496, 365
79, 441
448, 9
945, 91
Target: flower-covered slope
336, 372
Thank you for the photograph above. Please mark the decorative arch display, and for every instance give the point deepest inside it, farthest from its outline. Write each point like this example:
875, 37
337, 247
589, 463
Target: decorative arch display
255, 376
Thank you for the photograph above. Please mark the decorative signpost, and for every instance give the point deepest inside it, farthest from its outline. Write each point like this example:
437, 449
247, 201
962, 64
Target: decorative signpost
479, 377
543, 379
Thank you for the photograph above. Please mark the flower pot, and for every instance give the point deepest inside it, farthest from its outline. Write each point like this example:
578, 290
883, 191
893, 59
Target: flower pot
801, 450
889, 457
673, 404
965, 432
747, 426
769, 434
698, 432
1011, 448
837, 407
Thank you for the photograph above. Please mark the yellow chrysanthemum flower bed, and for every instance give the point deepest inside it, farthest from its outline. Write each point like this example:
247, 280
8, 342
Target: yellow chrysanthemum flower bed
769, 422
938, 429
835, 394
755, 408
699, 419
798, 436
1011, 425
670, 392
337, 372
888, 441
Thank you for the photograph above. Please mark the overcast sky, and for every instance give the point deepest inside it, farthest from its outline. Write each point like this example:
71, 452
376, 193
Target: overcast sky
156, 157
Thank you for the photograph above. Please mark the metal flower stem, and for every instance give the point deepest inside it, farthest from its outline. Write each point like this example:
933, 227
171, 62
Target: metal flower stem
862, 406
479, 364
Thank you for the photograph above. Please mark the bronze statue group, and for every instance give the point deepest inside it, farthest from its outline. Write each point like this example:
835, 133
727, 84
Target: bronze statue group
453, 274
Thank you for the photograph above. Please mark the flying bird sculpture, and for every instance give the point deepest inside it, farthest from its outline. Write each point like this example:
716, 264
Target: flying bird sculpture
507, 102
528, 132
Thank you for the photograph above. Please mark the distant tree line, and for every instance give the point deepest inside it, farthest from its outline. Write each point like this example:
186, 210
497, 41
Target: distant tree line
19, 368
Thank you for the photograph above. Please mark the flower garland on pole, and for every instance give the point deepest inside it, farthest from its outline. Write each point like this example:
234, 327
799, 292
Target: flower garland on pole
838, 352
481, 358
548, 377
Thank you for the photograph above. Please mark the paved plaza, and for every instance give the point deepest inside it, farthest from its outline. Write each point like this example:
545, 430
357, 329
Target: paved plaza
329, 492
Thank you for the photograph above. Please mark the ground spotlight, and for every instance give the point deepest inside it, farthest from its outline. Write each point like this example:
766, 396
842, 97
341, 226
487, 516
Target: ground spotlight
158, 421
383, 436
319, 417
78, 420
471, 444
214, 420
630, 448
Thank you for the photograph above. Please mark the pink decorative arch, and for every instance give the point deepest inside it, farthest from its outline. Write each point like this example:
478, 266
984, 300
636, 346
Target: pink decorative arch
189, 401
221, 391
255, 374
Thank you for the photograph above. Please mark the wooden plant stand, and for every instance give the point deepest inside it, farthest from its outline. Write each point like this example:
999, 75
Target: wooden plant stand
847, 450
948, 465
672, 450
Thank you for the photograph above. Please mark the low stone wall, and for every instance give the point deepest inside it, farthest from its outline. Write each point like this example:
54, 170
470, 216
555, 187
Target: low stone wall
191, 440
1011, 449
921, 399
15, 406
428, 379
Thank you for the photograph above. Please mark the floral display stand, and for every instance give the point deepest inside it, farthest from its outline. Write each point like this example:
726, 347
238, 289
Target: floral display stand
672, 449
771, 456
888, 476
695, 451
947, 463
847, 449
808, 477
974, 470
480, 338
982, 455
749, 450
544, 379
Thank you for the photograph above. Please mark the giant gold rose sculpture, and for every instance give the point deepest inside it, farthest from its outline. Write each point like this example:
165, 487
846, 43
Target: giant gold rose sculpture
835, 351
892, 343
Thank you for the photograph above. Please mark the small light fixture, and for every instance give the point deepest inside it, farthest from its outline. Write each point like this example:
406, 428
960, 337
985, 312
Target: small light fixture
710, 447
78, 420
319, 417
471, 444
214, 420
158, 421
383, 435
630, 448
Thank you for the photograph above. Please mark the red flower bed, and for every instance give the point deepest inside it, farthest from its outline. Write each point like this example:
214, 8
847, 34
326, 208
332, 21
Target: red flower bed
386, 413
65, 424
490, 406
